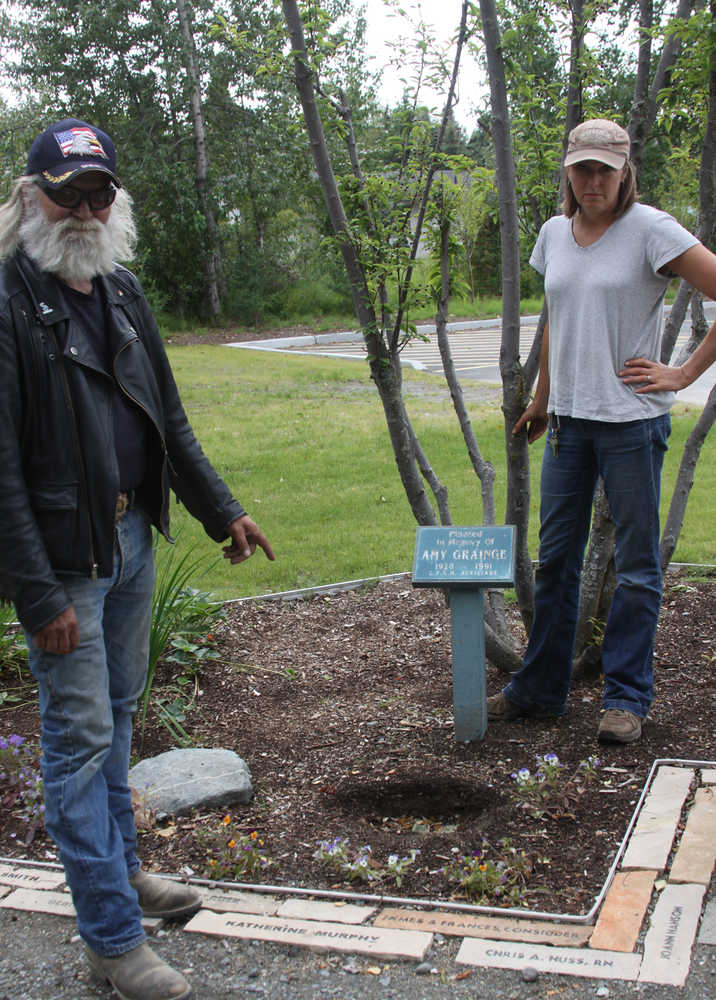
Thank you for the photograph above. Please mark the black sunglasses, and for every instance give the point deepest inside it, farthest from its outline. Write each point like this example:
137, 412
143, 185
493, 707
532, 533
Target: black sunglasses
72, 197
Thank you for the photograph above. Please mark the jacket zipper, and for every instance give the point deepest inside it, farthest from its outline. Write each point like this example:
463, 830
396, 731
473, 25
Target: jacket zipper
78, 450
154, 424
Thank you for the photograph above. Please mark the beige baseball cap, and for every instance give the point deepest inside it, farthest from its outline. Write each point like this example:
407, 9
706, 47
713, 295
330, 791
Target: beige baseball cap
600, 140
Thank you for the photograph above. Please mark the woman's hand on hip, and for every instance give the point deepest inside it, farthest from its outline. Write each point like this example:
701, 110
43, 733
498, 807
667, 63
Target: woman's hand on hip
652, 376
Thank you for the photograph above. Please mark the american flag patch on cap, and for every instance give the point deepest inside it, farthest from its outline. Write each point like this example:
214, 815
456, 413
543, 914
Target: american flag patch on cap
80, 141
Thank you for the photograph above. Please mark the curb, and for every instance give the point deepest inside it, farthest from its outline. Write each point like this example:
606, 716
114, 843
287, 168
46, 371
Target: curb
371, 581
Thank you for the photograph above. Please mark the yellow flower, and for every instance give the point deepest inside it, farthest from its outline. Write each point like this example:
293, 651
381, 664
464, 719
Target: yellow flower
232, 843
253, 835
483, 868
226, 820
212, 863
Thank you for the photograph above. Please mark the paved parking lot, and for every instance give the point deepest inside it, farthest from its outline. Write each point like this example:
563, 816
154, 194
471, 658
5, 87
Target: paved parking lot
475, 348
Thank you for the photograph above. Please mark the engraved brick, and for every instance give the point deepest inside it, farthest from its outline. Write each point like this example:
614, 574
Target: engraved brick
40, 901
235, 901
565, 961
623, 911
694, 861
467, 925
708, 776
314, 934
30, 878
60, 904
650, 843
317, 909
668, 942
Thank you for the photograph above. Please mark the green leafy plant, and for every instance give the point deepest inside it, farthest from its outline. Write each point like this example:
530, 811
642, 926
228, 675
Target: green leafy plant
13, 658
189, 654
231, 854
174, 701
171, 712
359, 865
491, 874
552, 789
180, 614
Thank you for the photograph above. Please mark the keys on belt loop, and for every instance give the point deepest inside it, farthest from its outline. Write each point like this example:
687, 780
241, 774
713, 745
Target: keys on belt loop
553, 433
124, 502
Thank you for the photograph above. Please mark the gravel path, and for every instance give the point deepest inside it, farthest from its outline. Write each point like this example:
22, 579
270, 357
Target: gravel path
42, 959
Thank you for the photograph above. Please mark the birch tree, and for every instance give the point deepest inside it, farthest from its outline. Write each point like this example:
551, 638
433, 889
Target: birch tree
212, 257
385, 326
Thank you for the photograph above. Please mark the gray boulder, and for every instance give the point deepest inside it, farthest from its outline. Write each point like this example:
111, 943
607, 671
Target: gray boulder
178, 781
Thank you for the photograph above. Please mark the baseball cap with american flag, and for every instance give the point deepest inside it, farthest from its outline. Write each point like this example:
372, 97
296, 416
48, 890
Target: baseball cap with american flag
69, 148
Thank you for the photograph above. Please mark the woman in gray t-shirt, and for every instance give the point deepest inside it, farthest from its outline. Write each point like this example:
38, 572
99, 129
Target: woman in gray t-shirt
604, 398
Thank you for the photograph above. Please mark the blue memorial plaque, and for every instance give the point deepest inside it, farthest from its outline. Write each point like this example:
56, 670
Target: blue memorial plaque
464, 556
464, 561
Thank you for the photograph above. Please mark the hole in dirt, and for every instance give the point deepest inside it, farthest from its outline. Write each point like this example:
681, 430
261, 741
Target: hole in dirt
440, 800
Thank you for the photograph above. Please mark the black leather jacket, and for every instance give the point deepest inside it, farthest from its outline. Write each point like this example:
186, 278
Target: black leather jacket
58, 471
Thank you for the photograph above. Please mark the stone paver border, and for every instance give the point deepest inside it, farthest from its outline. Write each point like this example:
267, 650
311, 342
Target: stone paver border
627, 909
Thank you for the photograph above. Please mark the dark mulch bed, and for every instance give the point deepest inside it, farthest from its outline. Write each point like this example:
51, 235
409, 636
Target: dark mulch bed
342, 707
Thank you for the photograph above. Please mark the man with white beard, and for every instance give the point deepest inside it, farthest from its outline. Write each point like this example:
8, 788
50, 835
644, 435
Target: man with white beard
92, 437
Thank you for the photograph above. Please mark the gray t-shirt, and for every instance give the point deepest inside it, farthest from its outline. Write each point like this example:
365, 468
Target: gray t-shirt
606, 304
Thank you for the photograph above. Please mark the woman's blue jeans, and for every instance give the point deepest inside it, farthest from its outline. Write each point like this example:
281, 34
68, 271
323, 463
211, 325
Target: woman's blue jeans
629, 458
88, 699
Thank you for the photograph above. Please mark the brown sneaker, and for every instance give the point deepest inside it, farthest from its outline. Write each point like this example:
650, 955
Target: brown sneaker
139, 974
501, 709
163, 897
619, 726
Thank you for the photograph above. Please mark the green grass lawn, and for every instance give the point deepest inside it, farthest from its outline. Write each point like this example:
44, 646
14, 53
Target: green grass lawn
303, 445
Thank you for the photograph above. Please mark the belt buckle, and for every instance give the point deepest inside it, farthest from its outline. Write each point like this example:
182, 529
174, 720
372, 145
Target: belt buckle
122, 506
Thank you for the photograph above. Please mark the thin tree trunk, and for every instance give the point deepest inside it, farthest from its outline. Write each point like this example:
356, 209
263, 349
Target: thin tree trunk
643, 113
383, 368
685, 480
599, 556
213, 259
675, 320
485, 471
639, 118
699, 329
514, 396
574, 90
403, 290
531, 369
438, 488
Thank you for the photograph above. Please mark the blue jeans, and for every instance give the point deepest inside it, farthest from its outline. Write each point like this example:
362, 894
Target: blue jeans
629, 457
87, 703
